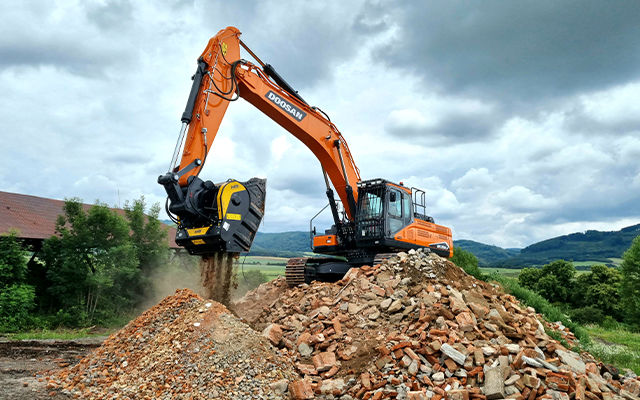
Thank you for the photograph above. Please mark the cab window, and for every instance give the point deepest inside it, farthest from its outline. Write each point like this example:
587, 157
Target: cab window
395, 211
395, 204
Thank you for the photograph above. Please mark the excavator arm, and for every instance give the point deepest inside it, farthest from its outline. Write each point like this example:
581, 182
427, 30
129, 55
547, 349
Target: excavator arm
202, 209
222, 77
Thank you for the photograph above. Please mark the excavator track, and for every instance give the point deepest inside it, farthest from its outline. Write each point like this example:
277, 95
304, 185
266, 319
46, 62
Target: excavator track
294, 271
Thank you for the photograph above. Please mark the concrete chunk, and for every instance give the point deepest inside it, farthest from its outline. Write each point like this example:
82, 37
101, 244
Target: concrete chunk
493, 383
452, 353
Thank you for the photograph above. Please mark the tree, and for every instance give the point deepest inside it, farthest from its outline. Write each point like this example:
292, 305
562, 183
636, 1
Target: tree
599, 289
630, 287
91, 264
17, 298
149, 239
553, 281
556, 282
148, 234
529, 277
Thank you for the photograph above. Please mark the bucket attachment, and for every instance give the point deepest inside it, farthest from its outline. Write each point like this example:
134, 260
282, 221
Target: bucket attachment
220, 217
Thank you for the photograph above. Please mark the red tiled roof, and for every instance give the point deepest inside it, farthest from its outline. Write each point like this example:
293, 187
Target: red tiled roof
35, 217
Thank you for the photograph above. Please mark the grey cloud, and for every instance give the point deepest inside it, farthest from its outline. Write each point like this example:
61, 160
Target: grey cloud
111, 15
303, 43
75, 57
519, 51
454, 127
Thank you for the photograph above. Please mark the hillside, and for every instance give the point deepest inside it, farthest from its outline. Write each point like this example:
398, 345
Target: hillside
281, 244
487, 254
581, 246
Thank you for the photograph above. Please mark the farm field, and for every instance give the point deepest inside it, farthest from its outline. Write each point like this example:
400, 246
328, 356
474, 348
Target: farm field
272, 267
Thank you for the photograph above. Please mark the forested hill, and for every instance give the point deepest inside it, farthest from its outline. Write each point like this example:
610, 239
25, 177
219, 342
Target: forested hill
487, 254
582, 246
281, 244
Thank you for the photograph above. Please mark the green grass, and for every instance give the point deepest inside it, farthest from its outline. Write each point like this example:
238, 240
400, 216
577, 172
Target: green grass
616, 346
272, 267
59, 334
510, 272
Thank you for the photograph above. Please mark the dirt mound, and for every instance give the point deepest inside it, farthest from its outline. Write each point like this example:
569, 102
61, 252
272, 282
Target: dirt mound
184, 347
419, 327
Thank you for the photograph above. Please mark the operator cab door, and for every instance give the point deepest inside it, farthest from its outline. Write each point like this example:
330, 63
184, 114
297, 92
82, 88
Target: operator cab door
399, 211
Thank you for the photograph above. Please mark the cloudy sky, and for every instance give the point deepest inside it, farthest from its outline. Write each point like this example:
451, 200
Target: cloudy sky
520, 119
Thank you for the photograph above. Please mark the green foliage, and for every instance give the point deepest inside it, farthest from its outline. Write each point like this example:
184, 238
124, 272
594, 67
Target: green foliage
529, 277
630, 287
587, 315
91, 265
148, 234
13, 263
17, 299
554, 281
467, 261
599, 289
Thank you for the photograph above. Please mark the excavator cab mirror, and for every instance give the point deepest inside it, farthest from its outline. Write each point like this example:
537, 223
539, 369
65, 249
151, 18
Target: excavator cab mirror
392, 197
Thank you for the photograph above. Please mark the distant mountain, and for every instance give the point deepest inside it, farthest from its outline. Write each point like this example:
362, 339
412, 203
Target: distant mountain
487, 254
582, 246
281, 244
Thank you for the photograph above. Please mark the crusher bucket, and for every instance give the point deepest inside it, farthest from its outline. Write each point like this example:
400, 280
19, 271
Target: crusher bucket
214, 218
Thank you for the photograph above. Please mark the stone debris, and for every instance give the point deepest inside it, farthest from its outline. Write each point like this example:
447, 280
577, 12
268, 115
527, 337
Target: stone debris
418, 327
415, 327
182, 348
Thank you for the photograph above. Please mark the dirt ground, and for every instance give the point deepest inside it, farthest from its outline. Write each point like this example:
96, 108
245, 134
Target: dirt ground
23, 362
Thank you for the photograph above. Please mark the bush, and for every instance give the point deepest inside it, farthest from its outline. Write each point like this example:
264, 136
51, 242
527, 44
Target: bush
17, 299
630, 287
599, 289
587, 315
467, 261
529, 277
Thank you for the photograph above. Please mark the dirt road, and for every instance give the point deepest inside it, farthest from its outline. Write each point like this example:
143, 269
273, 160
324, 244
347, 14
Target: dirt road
22, 362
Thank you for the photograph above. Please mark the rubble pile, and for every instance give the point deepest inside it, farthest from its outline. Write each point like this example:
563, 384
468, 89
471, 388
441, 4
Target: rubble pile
184, 347
418, 327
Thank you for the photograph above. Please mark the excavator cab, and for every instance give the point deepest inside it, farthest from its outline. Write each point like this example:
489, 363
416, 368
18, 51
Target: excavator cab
389, 218
383, 210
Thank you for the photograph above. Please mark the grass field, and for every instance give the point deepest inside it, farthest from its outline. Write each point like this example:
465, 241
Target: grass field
615, 346
510, 272
272, 267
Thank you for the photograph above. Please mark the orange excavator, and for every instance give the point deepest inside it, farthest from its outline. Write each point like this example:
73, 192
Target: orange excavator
372, 219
